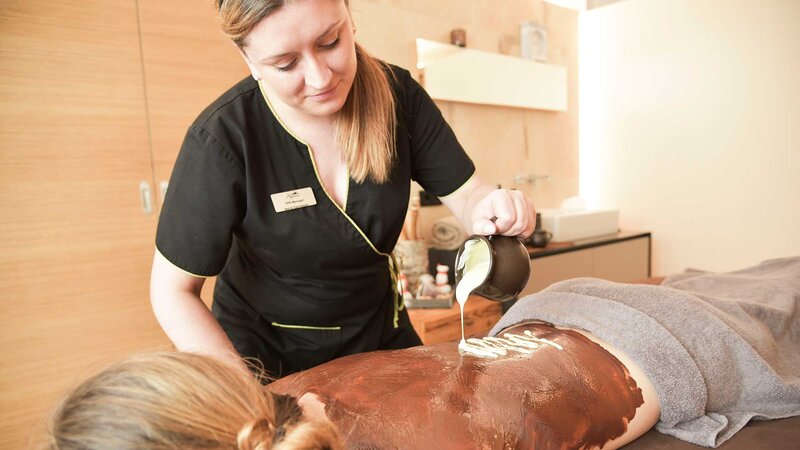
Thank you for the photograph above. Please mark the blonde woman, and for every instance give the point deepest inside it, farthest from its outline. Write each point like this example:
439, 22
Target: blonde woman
573, 391
181, 400
699, 357
292, 188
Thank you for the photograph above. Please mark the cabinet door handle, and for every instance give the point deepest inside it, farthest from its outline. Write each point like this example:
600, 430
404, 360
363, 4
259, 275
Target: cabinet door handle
162, 187
146, 195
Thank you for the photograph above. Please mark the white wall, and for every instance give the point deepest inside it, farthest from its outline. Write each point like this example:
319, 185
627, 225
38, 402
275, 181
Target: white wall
690, 124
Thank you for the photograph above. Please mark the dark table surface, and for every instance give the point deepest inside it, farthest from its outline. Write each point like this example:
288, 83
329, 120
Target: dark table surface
781, 434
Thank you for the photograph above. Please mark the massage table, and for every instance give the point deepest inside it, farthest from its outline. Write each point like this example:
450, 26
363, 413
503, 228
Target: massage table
757, 435
781, 434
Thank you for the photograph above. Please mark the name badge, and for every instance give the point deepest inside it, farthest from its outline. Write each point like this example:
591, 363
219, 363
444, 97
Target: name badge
289, 200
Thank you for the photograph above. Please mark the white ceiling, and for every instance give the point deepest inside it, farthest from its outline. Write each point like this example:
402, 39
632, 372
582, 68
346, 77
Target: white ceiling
582, 5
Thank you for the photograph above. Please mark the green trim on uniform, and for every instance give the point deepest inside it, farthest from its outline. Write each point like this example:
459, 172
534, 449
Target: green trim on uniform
393, 269
194, 275
303, 327
394, 272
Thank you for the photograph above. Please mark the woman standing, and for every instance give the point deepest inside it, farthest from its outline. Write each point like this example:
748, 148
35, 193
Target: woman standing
292, 188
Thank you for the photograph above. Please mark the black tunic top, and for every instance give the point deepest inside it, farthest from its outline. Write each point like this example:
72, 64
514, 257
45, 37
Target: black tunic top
300, 287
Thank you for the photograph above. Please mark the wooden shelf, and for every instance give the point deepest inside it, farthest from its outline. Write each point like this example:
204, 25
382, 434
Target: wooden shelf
472, 76
444, 324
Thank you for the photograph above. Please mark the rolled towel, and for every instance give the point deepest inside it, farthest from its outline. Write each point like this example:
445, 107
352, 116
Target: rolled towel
448, 234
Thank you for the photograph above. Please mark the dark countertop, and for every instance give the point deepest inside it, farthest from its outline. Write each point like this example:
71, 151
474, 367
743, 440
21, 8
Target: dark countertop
555, 248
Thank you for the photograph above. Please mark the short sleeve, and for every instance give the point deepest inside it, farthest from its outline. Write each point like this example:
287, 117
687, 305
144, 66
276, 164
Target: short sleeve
439, 163
205, 202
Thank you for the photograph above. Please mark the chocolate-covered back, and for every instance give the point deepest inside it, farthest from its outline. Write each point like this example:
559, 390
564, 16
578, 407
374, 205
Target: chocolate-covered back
433, 397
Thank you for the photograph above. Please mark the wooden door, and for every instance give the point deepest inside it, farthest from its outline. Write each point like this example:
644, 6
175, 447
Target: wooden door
75, 244
188, 63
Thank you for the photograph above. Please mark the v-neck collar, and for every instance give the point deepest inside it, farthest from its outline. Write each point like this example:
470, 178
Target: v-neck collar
398, 304
343, 206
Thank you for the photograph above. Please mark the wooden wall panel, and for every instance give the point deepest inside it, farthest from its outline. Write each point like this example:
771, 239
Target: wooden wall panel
503, 141
75, 246
188, 62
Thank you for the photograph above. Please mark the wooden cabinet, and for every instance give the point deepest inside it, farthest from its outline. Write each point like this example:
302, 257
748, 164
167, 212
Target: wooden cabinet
93, 96
442, 325
623, 257
546, 271
622, 261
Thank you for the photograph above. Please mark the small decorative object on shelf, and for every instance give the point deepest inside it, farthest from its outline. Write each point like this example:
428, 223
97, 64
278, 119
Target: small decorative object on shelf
429, 295
426, 287
533, 42
458, 37
442, 282
403, 286
412, 257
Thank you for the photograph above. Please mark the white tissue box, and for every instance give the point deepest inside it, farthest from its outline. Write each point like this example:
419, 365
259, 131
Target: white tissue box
571, 225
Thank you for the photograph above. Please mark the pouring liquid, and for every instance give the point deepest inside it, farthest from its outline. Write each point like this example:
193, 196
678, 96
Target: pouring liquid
492, 347
475, 262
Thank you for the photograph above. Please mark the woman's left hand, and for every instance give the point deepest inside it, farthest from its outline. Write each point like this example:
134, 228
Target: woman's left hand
503, 211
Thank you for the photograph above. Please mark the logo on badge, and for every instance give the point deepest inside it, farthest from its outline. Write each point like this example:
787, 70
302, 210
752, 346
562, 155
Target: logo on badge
289, 200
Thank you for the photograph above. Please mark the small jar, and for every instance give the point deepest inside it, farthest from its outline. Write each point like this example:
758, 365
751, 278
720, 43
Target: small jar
458, 37
442, 274
412, 257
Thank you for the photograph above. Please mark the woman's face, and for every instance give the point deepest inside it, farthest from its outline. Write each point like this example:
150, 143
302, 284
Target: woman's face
305, 54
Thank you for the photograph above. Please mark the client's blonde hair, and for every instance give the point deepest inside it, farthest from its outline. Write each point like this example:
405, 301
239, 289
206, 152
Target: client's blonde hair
180, 400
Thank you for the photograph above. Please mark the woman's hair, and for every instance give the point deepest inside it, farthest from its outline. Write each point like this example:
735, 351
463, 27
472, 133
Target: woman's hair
179, 400
365, 125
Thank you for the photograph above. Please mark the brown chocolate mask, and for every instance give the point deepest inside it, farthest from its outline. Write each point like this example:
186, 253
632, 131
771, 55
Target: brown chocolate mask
433, 397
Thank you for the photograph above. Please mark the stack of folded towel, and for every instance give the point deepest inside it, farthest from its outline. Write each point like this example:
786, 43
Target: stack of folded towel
448, 234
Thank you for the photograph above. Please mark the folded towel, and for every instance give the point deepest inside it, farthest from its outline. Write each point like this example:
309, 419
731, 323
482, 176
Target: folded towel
448, 234
720, 349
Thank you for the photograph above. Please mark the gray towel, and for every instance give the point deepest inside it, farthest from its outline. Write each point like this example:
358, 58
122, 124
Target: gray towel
720, 349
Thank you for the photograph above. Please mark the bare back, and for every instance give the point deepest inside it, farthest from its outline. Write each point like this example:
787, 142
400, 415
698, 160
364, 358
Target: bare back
433, 397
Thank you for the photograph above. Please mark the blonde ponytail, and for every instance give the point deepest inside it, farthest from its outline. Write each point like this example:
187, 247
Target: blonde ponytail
256, 434
305, 435
179, 400
366, 124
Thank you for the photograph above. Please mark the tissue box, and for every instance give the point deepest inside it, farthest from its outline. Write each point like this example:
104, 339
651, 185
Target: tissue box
571, 225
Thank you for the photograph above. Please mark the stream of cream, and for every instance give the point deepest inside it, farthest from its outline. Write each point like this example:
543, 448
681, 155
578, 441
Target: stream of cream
474, 262
471, 279
474, 266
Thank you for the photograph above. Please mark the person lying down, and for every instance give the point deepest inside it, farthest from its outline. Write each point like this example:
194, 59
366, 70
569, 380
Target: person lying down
699, 357
565, 389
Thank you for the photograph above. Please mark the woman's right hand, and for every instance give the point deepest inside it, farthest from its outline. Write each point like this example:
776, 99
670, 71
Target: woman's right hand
187, 321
